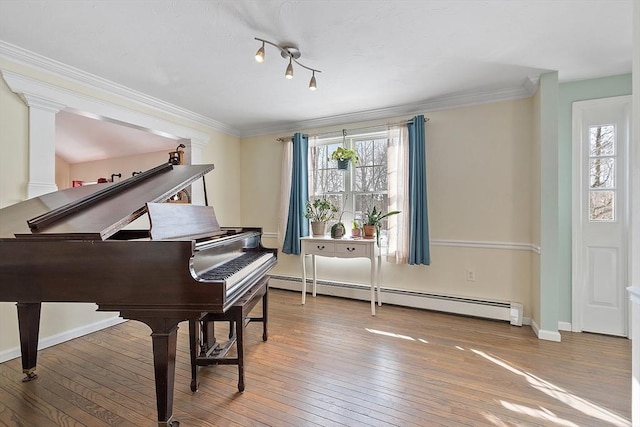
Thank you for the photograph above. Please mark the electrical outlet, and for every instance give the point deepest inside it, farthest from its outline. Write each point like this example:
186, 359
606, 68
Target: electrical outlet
471, 275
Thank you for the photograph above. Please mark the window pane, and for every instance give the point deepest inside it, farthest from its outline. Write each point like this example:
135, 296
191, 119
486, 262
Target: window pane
325, 177
601, 205
366, 202
601, 141
371, 171
602, 173
328, 181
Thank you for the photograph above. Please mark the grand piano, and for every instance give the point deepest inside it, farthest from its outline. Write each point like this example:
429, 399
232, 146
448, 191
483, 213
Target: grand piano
72, 246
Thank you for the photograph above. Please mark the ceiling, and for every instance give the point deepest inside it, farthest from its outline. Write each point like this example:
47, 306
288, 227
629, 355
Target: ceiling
375, 57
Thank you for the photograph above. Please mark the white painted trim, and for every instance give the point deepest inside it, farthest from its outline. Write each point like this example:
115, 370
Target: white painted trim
46, 65
75, 75
549, 335
576, 211
634, 294
270, 235
31, 88
486, 245
38, 188
564, 326
545, 335
12, 353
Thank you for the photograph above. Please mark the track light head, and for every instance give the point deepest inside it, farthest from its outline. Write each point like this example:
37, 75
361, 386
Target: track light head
260, 54
289, 73
312, 83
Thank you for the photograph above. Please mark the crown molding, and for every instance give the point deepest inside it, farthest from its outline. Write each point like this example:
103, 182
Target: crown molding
74, 75
526, 90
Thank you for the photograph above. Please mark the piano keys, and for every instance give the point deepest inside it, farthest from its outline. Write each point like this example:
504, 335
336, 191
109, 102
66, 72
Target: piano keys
71, 246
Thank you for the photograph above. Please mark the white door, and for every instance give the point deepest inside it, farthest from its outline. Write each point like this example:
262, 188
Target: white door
600, 215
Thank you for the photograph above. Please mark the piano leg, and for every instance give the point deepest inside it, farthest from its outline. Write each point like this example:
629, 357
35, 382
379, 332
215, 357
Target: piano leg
265, 311
164, 333
240, 316
194, 351
29, 327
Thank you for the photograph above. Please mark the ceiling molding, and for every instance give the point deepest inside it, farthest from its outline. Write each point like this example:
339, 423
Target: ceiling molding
74, 75
526, 90
46, 94
22, 56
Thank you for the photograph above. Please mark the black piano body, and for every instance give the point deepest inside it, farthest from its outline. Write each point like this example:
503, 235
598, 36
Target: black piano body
71, 246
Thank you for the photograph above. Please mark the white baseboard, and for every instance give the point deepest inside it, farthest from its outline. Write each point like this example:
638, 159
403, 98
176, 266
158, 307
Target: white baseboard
498, 310
12, 353
545, 334
564, 326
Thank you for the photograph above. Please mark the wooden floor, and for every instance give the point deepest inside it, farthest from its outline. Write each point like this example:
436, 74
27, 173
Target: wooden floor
330, 363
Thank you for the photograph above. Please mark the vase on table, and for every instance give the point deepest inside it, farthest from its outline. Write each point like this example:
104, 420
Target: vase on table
318, 228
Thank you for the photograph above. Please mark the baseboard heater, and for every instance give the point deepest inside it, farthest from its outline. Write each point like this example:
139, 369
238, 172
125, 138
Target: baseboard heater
498, 310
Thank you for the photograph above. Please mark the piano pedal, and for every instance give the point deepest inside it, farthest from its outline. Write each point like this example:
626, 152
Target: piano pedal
29, 376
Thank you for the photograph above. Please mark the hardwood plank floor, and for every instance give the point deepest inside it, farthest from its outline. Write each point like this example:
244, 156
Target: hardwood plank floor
330, 363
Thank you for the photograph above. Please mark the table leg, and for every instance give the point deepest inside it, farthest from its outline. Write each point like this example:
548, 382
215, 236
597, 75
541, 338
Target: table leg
373, 287
304, 277
313, 262
378, 280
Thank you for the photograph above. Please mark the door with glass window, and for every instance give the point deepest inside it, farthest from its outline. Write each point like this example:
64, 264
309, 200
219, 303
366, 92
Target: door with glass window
600, 215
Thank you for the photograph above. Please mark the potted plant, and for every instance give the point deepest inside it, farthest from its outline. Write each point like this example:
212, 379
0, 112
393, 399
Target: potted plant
373, 220
355, 229
337, 230
319, 211
344, 156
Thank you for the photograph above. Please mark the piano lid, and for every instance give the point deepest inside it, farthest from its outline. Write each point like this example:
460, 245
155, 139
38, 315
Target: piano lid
95, 212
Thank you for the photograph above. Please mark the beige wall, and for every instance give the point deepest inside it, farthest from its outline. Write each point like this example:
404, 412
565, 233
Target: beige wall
63, 173
479, 190
224, 182
91, 171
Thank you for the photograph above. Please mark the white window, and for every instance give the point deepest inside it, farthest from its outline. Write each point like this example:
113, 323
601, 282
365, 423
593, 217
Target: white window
360, 187
602, 173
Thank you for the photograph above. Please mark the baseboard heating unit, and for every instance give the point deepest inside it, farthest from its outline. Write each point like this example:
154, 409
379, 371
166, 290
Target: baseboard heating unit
498, 310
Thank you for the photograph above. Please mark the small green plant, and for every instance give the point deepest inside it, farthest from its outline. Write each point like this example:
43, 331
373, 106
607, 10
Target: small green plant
343, 154
374, 217
321, 209
355, 224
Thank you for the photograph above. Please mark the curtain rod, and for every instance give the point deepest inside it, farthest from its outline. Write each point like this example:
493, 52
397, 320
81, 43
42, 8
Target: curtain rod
343, 131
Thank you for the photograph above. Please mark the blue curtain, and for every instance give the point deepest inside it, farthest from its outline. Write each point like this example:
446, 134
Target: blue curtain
418, 221
297, 224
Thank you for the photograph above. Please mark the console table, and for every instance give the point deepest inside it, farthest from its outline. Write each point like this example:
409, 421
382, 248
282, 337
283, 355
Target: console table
341, 248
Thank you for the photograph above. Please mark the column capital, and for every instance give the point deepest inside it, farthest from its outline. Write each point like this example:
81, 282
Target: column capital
35, 101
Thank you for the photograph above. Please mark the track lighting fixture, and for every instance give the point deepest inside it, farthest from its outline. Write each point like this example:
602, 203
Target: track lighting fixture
289, 73
292, 53
260, 54
312, 83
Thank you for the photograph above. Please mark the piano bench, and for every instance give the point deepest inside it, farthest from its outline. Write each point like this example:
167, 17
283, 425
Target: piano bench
206, 351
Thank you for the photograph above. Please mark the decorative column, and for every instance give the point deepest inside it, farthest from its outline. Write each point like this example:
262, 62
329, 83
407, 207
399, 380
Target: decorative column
42, 144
